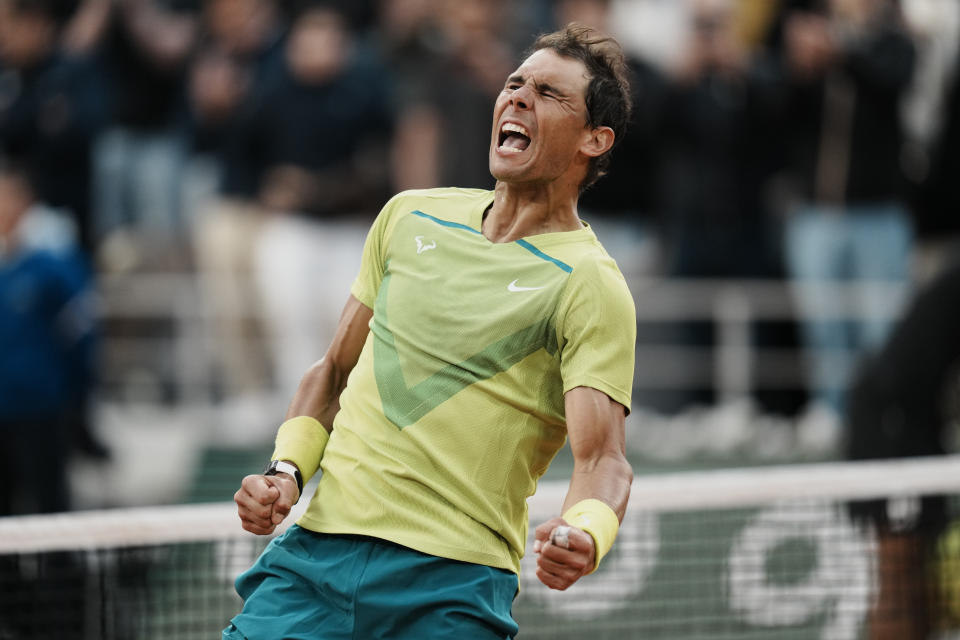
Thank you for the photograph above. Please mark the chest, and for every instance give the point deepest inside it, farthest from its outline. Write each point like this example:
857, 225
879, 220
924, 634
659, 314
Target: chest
446, 281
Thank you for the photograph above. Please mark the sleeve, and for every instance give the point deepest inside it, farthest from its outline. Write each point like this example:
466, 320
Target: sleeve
596, 331
373, 264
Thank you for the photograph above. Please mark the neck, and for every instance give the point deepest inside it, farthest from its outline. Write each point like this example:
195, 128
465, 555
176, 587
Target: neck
519, 211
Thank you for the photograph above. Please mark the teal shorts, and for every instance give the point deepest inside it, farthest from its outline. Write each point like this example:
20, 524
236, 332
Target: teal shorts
316, 586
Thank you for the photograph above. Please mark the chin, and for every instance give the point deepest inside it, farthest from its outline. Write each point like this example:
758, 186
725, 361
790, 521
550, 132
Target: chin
506, 176
509, 173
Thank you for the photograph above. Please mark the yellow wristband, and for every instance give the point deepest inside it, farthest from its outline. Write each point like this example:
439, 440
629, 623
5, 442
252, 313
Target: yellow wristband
301, 440
597, 519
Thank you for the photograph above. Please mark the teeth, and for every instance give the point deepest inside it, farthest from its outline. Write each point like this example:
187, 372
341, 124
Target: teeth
511, 150
515, 128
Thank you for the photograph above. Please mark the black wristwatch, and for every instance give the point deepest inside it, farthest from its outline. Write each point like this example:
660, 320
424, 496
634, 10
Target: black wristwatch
282, 466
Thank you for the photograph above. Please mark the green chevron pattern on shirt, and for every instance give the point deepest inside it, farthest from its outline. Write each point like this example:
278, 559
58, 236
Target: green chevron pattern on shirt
404, 405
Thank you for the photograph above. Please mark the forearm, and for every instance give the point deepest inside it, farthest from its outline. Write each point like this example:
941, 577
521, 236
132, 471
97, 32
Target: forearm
594, 508
318, 395
601, 479
606, 477
302, 438
595, 426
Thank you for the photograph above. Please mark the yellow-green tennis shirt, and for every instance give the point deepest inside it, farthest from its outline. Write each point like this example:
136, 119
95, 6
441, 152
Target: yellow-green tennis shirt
455, 407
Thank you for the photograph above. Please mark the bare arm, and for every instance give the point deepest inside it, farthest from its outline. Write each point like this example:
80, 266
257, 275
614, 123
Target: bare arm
319, 392
595, 426
264, 501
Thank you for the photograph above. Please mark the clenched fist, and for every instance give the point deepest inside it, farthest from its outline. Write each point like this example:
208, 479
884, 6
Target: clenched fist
559, 567
264, 501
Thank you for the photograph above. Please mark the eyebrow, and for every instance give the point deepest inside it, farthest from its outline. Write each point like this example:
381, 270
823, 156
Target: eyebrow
540, 86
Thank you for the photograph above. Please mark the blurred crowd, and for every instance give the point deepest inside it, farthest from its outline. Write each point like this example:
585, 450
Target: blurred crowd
251, 142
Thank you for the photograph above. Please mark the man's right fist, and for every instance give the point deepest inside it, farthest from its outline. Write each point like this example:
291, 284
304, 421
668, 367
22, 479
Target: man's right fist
264, 501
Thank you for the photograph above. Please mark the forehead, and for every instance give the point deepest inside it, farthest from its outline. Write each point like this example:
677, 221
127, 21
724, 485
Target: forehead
546, 66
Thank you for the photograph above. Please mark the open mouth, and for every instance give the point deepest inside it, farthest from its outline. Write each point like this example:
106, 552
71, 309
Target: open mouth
513, 138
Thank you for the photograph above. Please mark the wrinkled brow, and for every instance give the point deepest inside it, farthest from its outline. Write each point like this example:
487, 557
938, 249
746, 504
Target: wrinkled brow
539, 86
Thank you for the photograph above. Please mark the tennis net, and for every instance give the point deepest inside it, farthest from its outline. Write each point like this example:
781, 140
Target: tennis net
787, 552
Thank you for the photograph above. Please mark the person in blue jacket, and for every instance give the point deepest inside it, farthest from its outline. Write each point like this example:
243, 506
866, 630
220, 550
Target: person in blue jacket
47, 338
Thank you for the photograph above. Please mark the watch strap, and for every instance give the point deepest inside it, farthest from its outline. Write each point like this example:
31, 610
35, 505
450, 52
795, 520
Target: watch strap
282, 466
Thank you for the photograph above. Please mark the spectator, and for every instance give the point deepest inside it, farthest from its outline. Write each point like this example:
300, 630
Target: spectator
47, 337
935, 30
51, 106
626, 198
242, 48
145, 47
845, 69
242, 53
410, 42
937, 195
717, 154
441, 126
317, 132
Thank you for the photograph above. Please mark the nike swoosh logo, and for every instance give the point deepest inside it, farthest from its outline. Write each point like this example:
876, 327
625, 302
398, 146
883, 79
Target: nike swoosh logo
513, 287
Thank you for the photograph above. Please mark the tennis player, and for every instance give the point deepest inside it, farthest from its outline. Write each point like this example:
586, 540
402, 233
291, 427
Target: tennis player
483, 329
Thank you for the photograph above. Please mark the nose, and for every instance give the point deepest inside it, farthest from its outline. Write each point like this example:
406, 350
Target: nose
521, 98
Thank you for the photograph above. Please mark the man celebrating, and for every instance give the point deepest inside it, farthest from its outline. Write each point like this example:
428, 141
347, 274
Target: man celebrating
484, 328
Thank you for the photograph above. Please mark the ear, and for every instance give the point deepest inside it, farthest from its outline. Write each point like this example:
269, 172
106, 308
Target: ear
597, 141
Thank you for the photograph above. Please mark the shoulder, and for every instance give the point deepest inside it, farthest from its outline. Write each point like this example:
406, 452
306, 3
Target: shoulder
596, 271
585, 255
595, 276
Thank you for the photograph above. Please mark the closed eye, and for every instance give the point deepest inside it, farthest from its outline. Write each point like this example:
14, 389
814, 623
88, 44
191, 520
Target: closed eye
514, 82
550, 91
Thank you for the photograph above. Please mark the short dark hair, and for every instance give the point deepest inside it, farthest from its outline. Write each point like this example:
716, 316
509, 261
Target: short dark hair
608, 92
